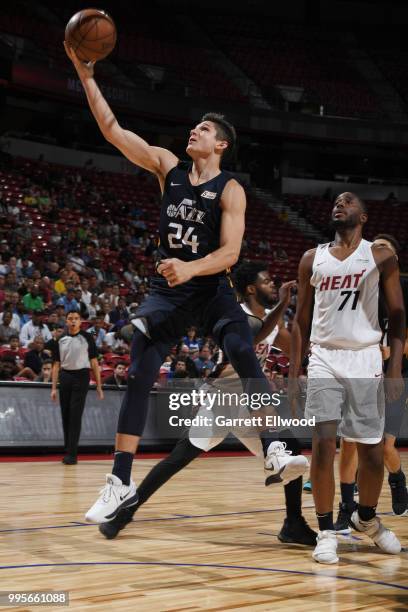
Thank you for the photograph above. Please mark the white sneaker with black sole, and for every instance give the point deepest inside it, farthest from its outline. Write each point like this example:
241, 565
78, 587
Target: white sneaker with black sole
326, 547
382, 537
281, 466
113, 497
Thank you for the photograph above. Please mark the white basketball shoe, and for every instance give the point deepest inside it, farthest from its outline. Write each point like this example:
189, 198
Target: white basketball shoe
280, 466
382, 537
113, 497
326, 547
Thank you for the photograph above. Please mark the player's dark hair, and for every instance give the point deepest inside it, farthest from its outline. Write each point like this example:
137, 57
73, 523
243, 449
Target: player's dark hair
225, 130
246, 274
391, 239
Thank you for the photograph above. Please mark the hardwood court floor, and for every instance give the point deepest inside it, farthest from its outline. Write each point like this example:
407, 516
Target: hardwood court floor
206, 541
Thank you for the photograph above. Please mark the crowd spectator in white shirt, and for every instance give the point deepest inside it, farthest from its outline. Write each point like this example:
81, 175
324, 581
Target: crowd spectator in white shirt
34, 327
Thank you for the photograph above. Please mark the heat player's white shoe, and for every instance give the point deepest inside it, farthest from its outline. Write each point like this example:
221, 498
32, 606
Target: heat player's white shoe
382, 537
326, 547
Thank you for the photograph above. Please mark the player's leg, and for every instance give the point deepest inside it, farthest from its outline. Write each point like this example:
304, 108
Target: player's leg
396, 476
370, 480
348, 461
295, 529
182, 454
237, 342
394, 416
323, 488
120, 491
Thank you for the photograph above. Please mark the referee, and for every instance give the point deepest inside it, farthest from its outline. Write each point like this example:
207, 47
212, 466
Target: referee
74, 354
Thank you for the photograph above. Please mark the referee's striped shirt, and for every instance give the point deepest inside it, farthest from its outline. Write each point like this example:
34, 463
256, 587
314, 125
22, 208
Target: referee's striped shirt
74, 352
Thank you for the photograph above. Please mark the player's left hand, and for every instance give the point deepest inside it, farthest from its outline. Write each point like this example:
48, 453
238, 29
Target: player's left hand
393, 385
285, 292
175, 271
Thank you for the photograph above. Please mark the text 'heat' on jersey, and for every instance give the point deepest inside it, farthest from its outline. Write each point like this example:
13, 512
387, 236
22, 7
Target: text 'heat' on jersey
346, 299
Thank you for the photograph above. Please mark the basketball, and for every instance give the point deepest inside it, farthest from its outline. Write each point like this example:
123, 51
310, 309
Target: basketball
92, 34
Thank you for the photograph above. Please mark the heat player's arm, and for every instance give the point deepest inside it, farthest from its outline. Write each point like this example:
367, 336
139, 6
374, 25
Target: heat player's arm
155, 159
387, 264
303, 317
233, 204
283, 339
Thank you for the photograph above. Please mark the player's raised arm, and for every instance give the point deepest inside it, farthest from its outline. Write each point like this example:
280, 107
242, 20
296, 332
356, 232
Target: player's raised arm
274, 317
155, 159
303, 317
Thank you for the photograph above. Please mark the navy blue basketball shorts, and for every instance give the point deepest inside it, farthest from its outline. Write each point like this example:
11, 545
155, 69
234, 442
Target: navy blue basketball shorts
168, 311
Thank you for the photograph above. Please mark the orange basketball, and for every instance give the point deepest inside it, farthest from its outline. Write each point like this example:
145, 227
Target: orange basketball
92, 34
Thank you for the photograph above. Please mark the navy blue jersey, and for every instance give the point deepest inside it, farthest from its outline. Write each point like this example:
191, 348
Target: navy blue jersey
190, 216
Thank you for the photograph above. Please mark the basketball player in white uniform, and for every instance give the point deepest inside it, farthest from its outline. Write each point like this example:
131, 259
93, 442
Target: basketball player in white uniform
256, 287
345, 365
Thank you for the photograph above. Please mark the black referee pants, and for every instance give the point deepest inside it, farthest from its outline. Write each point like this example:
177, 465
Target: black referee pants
74, 385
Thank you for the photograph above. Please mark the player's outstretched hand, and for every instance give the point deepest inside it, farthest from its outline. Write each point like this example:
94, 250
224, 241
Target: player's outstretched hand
285, 292
85, 70
175, 271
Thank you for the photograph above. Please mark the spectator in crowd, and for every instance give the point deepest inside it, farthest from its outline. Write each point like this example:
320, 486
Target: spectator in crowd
191, 340
179, 367
60, 312
118, 378
93, 307
45, 290
69, 302
107, 296
46, 372
281, 383
98, 333
8, 368
34, 359
34, 327
204, 359
86, 295
32, 300
6, 329
119, 316
15, 318
77, 262
184, 351
13, 347
114, 343
59, 285
83, 311
71, 274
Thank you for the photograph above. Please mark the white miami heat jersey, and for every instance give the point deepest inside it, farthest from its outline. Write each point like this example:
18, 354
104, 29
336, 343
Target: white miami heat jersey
346, 299
262, 349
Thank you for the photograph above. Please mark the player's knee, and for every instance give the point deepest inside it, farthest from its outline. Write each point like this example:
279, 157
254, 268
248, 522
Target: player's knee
325, 449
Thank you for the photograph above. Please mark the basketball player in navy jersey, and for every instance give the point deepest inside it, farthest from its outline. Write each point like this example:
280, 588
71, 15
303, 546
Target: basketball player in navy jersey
202, 222
256, 287
345, 365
